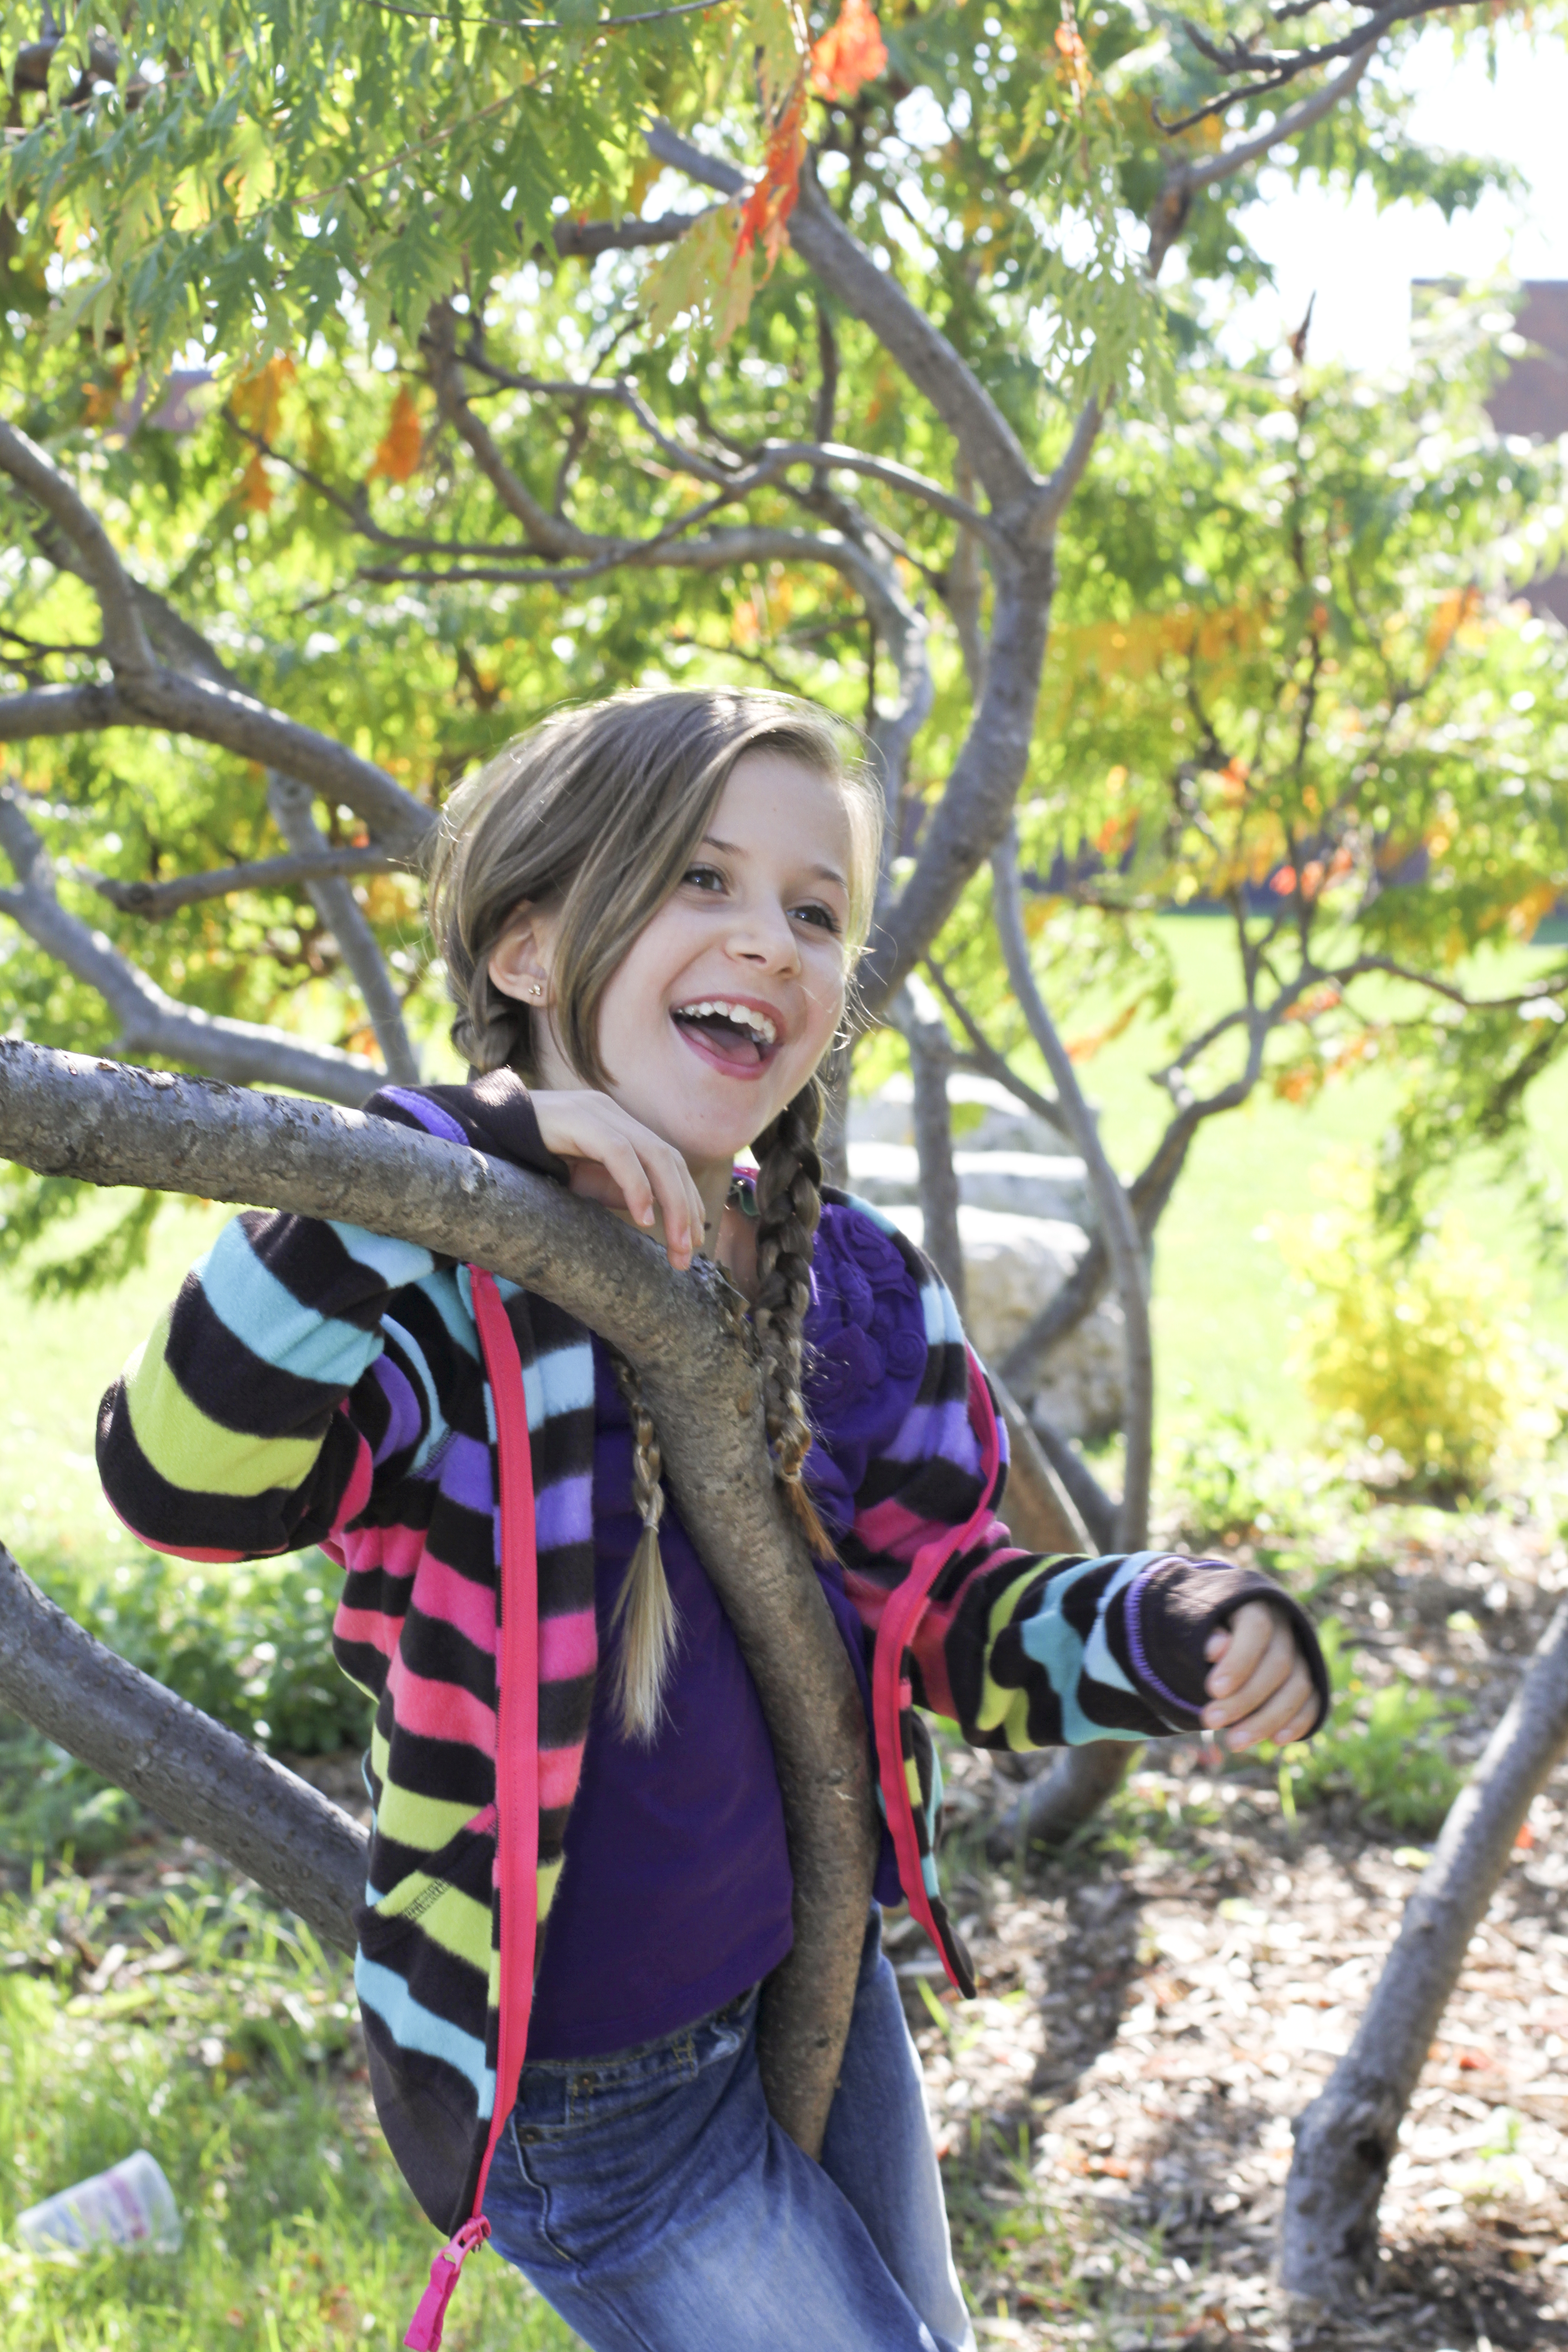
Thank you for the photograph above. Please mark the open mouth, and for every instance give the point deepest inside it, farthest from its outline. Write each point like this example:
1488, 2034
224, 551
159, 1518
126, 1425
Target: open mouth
737, 1035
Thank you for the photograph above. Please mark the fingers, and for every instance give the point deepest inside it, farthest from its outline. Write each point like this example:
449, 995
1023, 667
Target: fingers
1274, 1699
1239, 1652
640, 1172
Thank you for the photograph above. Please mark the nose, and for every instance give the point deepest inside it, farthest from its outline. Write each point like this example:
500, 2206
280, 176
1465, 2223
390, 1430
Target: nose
764, 935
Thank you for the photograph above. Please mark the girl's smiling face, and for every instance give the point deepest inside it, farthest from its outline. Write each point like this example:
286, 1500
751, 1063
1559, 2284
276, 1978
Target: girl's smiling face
727, 1000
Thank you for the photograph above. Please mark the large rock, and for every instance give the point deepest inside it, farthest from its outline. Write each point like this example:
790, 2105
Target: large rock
1012, 1266
985, 1118
1015, 1183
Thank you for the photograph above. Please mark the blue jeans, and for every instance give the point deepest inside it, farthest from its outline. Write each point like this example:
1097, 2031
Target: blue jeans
653, 2200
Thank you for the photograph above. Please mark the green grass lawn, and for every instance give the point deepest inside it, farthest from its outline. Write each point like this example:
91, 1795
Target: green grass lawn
1223, 1306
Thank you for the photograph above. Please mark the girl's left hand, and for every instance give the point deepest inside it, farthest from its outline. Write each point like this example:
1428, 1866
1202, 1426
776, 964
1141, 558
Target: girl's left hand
1258, 1684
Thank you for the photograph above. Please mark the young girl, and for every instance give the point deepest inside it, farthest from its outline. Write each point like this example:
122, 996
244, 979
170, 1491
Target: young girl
650, 911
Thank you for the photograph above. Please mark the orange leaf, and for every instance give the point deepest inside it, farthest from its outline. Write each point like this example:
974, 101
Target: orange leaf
257, 399
1284, 882
1074, 67
850, 53
1321, 999
771, 201
398, 450
255, 489
1084, 1049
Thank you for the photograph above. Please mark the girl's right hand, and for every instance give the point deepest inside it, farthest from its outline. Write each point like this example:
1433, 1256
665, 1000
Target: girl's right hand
616, 1161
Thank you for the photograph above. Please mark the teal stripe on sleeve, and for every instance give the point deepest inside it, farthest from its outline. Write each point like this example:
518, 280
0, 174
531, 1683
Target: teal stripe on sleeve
264, 1314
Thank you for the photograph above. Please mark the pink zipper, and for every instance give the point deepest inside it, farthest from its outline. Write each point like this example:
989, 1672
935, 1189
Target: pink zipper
517, 1775
901, 1618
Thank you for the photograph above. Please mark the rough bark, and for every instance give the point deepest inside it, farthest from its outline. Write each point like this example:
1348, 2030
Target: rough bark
930, 1057
66, 1115
178, 1762
1041, 1514
1345, 2139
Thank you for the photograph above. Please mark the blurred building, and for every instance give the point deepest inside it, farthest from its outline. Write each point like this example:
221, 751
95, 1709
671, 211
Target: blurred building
1532, 398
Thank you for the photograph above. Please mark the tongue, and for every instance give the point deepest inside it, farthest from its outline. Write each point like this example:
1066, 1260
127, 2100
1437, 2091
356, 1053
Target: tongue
735, 1044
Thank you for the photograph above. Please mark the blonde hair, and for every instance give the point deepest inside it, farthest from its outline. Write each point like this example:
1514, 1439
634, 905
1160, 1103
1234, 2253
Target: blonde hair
596, 815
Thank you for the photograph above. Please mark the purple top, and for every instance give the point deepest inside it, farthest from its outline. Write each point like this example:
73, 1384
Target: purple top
675, 1891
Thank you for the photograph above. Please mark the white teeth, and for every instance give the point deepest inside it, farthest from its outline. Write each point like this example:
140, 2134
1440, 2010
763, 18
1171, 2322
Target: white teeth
745, 1015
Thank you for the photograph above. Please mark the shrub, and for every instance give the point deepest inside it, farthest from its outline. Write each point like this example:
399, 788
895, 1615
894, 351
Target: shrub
1423, 1353
1382, 1748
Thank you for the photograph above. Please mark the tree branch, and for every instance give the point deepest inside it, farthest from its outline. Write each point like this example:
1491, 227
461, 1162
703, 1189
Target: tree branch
155, 900
930, 1057
927, 358
1274, 67
1116, 1219
334, 900
976, 808
178, 1762
151, 1022
35, 472
201, 702
1345, 2139
68, 1115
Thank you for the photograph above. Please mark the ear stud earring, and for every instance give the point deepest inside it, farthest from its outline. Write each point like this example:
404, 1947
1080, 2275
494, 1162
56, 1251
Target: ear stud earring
536, 989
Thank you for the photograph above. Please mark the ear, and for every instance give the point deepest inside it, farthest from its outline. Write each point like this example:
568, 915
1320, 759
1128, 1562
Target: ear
520, 961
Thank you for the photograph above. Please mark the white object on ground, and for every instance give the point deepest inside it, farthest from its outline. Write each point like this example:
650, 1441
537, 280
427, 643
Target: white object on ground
132, 2206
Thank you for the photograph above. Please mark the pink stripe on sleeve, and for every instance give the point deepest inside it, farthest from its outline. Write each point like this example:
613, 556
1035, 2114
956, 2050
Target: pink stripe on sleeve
560, 1769
394, 1551
439, 1710
440, 1592
895, 1532
356, 1494
568, 1646
371, 1626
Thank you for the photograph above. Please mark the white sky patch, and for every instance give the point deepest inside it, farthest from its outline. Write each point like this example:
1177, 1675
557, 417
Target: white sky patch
1360, 262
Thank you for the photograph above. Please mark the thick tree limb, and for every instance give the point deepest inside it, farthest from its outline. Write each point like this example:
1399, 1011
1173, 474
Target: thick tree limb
188, 1770
146, 693
151, 1021
1345, 2139
66, 1115
930, 1057
1116, 1219
1041, 1513
334, 902
976, 807
124, 641
155, 900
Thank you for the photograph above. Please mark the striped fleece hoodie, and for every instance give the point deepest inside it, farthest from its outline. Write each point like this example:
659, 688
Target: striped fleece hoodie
314, 1383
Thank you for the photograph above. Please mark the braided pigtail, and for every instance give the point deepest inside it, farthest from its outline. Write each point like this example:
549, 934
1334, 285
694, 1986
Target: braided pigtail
645, 1610
789, 1204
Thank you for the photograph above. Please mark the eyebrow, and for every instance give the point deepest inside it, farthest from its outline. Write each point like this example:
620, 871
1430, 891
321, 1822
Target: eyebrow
818, 872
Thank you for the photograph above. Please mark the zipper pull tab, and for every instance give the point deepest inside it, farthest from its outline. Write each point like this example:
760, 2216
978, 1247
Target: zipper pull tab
425, 2328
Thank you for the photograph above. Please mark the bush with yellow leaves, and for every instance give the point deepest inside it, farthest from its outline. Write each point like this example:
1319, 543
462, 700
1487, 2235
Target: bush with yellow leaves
1423, 1354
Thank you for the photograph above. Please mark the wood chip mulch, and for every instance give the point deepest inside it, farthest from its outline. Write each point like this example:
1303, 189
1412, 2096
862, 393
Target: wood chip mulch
1114, 2110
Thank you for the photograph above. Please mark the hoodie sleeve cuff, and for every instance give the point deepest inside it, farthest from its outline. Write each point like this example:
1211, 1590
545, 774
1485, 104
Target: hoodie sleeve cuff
1170, 1610
493, 1113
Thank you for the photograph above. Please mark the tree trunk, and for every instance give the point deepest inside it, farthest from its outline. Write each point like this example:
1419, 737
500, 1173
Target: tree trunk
930, 1057
1116, 1223
63, 1114
1345, 2139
